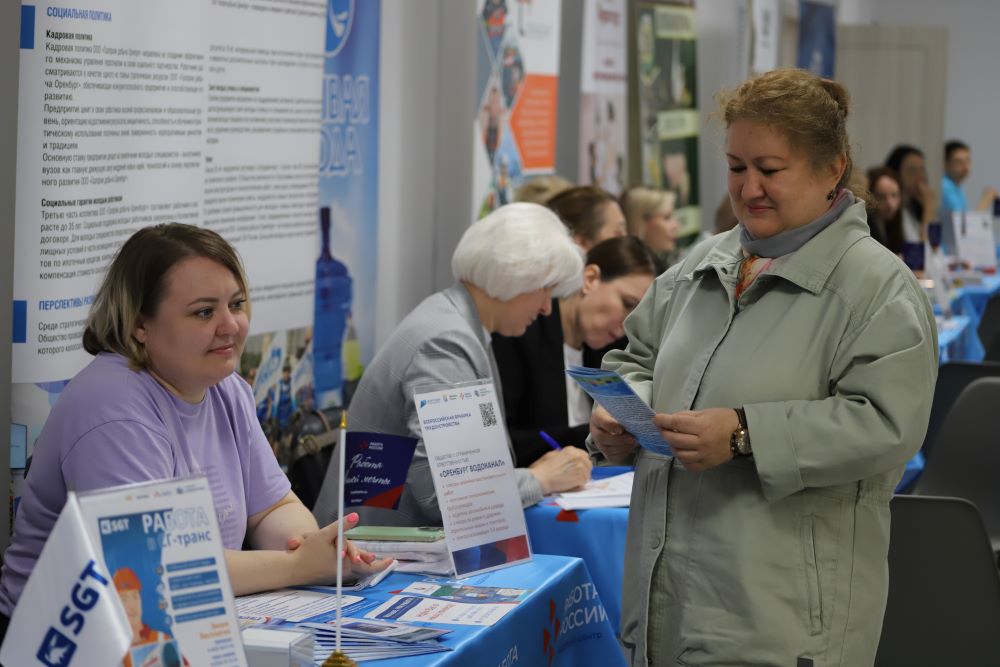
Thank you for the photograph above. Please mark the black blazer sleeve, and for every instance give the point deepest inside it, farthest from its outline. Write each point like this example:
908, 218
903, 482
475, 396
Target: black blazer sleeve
534, 388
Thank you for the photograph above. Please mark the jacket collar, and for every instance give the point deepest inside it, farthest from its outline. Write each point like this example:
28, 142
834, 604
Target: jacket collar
810, 266
460, 297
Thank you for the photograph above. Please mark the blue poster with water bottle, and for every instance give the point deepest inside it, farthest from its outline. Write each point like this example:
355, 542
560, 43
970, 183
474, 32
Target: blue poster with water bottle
344, 324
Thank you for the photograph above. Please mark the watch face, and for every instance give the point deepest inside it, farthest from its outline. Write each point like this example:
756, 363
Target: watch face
742, 442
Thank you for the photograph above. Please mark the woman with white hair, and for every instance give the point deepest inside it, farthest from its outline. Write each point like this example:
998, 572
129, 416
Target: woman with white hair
507, 268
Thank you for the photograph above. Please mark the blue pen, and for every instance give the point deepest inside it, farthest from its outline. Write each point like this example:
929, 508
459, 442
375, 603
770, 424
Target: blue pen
549, 440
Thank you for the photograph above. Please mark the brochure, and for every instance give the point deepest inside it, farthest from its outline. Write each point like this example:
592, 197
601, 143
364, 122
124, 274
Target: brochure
458, 592
428, 610
293, 605
613, 394
161, 544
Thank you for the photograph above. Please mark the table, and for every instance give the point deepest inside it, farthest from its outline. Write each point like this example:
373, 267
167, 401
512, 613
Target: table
561, 623
597, 536
958, 340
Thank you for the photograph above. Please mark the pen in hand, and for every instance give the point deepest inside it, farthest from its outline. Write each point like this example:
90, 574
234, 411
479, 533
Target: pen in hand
549, 440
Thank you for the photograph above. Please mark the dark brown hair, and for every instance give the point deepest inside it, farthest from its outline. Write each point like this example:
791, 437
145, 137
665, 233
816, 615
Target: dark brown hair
578, 208
624, 256
134, 285
810, 111
892, 228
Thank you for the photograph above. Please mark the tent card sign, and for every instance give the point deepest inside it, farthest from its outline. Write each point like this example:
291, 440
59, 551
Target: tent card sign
974, 239
160, 542
473, 476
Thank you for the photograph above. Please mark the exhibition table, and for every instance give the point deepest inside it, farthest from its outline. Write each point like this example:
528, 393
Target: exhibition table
958, 340
561, 622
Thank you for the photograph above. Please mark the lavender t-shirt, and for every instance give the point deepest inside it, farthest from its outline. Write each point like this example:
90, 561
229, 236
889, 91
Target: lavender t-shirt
114, 426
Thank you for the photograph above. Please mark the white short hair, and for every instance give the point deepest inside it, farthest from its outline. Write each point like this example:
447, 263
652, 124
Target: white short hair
519, 248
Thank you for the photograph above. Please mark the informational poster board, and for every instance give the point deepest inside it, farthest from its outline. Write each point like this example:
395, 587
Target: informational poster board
516, 84
766, 26
664, 115
139, 113
473, 474
603, 146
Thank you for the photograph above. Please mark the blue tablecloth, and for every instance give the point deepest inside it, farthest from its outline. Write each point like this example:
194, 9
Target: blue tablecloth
597, 536
958, 340
970, 300
562, 622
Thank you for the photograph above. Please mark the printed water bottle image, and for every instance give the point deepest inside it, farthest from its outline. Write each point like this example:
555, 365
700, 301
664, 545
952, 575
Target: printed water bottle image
332, 306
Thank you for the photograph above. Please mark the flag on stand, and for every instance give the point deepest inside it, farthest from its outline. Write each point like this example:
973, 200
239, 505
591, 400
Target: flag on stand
69, 613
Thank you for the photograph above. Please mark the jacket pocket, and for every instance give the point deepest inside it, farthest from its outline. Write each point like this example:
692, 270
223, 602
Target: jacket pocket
814, 600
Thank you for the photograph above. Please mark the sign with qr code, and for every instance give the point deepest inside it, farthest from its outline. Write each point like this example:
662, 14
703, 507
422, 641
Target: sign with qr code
470, 460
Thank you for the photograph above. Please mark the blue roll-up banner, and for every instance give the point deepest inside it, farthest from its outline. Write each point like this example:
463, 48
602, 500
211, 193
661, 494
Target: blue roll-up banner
344, 325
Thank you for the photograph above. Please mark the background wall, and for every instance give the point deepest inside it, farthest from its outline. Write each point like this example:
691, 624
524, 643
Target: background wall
973, 82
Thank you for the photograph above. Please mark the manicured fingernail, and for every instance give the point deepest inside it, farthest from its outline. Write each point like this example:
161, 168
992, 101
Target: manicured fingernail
343, 553
352, 517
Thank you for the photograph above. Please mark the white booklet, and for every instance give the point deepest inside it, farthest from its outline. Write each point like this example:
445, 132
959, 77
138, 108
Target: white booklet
613, 394
160, 542
608, 492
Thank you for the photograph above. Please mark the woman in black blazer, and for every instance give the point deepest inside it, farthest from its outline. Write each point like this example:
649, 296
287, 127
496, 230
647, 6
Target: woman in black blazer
581, 328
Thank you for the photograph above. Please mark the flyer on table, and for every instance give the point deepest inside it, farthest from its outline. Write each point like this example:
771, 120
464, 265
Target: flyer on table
161, 544
473, 476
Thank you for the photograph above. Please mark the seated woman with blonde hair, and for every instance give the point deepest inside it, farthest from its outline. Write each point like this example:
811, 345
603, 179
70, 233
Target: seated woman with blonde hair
161, 399
649, 214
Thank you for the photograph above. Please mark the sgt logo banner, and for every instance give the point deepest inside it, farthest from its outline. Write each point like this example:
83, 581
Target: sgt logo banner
68, 613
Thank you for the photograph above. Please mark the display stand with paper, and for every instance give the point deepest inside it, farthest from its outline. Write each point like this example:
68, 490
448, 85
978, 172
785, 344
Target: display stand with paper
974, 239
473, 474
160, 542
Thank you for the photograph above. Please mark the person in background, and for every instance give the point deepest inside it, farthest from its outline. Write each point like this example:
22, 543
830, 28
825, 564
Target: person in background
957, 164
537, 393
592, 214
885, 216
649, 214
162, 399
540, 189
507, 267
791, 364
920, 201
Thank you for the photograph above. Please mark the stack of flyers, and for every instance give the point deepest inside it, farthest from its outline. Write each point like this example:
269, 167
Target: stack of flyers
608, 492
290, 606
365, 639
459, 592
612, 393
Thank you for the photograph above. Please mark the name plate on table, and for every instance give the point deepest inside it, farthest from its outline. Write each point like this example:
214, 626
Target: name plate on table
473, 476
376, 468
160, 542
974, 239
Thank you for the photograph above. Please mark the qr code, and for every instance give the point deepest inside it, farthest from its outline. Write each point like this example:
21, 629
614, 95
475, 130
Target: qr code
488, 415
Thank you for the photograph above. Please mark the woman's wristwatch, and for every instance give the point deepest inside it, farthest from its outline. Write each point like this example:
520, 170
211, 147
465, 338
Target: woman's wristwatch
739, 441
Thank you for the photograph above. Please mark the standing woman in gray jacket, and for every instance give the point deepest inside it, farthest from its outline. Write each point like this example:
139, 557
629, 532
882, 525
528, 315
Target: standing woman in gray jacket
791, 364
507, 268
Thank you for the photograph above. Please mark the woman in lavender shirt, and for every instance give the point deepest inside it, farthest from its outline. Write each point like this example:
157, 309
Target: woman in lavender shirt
161, 399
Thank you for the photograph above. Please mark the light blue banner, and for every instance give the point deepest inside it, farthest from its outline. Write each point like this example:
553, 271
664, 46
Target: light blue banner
344, 326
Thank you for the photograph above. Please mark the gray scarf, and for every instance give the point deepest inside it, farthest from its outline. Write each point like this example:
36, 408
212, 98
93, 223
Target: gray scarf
793, 239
